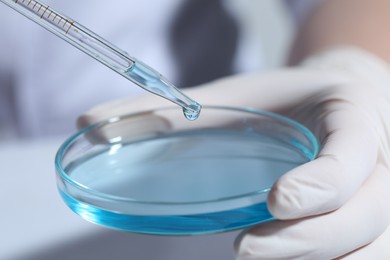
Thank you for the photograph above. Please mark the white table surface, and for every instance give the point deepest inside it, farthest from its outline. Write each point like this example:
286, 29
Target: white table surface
36, 224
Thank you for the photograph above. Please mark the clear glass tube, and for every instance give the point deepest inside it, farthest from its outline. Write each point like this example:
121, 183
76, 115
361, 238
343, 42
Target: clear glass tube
105, 52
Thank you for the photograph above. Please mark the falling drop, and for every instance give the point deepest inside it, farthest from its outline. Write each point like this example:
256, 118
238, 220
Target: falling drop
192, 111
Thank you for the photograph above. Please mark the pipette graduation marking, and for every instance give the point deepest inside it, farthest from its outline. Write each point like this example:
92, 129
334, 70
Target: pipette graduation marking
105, 52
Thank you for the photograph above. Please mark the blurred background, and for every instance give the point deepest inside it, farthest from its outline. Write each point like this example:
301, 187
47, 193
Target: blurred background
45, 84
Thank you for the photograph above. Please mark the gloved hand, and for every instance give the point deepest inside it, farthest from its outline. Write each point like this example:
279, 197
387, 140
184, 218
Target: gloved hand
337, 205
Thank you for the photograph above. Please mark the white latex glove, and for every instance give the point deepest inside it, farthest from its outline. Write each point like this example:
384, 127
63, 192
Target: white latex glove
337, 204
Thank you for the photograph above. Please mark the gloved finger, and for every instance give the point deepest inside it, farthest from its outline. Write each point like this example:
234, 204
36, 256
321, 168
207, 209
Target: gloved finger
125, 129
119, 107
378, 249
348, 156
360, 221
273, 91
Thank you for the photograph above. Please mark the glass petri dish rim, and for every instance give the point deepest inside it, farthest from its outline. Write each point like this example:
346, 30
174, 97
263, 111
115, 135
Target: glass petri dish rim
64, 147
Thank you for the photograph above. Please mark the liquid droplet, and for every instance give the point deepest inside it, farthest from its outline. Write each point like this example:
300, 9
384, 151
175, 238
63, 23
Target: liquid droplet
192, 112
191, 115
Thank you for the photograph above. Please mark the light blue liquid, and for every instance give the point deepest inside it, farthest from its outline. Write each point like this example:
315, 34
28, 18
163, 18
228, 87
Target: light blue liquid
151, 80
196, 224
192, 112
197, 168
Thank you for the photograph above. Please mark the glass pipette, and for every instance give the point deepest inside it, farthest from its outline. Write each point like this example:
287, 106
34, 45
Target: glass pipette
105, 52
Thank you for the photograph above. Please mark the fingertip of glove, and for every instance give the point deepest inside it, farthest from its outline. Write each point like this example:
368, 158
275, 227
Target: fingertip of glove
282, 203
296, 196
243, 248
83, 121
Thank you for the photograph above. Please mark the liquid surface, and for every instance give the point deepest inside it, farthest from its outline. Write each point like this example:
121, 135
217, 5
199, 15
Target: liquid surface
205, 168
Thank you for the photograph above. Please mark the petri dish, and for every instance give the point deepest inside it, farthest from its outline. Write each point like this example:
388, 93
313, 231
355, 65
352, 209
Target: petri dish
155, 172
